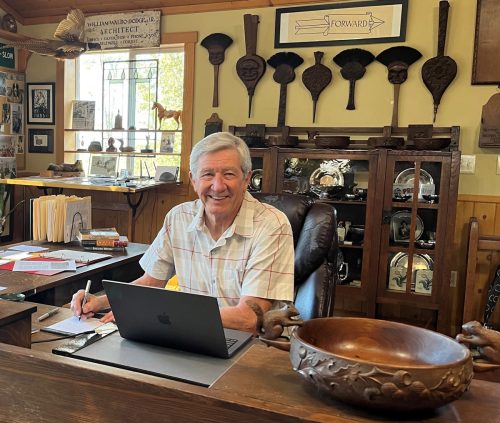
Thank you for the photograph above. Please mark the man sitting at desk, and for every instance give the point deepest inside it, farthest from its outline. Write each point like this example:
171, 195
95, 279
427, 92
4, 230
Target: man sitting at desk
226, 244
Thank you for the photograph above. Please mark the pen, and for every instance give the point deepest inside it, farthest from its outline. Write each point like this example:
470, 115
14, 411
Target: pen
87, 290
49, 313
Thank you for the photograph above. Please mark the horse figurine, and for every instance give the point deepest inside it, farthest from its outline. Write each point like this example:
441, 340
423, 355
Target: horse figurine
167, 114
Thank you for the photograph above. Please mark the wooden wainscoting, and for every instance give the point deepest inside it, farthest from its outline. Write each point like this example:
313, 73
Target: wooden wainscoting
487, 211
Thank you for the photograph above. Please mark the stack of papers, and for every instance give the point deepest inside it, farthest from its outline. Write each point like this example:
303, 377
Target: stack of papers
57, 218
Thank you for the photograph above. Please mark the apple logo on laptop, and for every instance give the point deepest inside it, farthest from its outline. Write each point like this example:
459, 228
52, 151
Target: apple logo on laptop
164, 318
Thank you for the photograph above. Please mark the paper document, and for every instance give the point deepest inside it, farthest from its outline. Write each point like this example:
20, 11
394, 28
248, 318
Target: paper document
81, 256
28, 248
24, 265
14, 255
73, 326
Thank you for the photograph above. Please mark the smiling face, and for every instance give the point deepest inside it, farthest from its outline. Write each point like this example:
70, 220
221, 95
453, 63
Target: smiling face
220, 185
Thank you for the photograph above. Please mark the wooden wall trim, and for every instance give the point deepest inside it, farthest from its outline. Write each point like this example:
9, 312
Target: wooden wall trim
479, 198
215, 6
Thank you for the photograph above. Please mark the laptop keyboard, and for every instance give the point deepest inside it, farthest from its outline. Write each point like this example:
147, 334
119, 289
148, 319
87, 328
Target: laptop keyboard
230, 342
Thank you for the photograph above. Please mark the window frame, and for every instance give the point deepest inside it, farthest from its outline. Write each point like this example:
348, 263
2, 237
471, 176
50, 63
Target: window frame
66, 93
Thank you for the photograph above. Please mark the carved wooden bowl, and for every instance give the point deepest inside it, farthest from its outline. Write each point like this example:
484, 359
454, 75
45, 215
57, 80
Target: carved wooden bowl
379, 364
431, 143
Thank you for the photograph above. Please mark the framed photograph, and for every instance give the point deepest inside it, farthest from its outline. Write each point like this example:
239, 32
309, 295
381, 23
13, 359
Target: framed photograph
400, 226
103, 165
363, 22
486, 58
40, 140
167, 142
41, 103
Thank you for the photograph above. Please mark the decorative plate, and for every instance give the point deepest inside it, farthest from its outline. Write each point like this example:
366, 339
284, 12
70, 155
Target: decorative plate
420, 261
256, 181
407, 177
331, 178
400, 226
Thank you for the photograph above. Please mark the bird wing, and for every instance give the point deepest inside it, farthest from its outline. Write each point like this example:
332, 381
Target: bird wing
34, 45
71, 28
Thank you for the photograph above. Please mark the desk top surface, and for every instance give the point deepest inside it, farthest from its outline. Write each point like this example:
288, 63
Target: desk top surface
94, 184
22, 282
261, 385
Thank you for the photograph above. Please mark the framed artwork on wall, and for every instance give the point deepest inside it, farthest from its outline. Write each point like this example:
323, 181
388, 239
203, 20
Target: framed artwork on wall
41, 103
40, 140
343, 23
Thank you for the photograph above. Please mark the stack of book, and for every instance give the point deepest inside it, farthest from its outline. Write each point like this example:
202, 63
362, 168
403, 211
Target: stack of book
102, 239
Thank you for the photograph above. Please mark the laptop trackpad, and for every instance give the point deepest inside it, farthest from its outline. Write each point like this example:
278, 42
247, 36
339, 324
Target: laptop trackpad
159, 361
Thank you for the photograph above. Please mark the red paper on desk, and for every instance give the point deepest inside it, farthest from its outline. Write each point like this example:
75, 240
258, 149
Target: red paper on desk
10, 265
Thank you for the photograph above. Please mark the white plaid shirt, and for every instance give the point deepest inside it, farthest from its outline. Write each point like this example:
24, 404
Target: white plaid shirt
253, 257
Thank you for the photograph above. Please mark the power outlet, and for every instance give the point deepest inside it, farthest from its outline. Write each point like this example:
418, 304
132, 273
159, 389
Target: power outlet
453, 278
468, 164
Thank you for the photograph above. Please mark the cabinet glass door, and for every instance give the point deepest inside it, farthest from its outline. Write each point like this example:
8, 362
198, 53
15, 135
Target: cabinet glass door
412, 217
343, 179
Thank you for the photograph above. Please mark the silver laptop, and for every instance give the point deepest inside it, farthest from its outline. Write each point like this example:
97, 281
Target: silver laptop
172, 319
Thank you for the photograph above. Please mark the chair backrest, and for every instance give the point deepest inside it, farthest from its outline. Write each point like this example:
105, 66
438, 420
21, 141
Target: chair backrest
314, 226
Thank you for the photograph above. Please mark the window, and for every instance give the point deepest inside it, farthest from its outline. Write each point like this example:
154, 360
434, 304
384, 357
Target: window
181, 43
127, 83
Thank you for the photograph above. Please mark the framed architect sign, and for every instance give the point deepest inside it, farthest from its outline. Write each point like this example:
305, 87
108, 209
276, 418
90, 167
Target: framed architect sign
365, 22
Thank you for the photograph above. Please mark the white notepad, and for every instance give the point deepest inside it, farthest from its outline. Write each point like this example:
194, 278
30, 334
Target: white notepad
73, 326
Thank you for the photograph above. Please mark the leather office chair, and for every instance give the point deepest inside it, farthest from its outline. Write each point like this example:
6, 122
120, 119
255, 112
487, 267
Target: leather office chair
314, 227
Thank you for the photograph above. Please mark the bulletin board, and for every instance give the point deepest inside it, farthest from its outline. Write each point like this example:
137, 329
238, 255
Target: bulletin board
12, 123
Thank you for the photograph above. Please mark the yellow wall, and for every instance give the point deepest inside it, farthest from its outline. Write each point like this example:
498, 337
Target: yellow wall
461, 104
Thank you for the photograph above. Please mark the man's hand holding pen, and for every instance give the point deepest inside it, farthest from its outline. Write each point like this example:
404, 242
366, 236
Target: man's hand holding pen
85, 305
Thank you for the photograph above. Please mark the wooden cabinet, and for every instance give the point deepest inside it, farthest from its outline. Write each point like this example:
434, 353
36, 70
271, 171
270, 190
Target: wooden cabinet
396, 214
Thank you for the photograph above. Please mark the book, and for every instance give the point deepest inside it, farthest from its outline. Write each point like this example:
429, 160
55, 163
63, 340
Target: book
86, 248
105, 242
83, 114
98, 233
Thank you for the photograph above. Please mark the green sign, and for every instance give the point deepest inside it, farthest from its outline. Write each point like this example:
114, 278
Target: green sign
7, 57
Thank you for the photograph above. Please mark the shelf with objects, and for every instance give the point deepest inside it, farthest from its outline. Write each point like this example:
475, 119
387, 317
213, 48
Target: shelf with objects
128, 122
382, 228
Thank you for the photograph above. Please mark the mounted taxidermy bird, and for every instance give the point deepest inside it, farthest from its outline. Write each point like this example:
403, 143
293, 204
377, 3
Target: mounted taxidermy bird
70, 43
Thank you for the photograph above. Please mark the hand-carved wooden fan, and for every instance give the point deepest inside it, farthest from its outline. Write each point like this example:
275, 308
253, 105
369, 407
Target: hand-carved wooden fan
353, 62
216, 44
398, 60
316, 78
284, 64
250, 67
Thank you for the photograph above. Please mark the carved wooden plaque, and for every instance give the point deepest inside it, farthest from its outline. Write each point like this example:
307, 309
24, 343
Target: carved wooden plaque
486, 61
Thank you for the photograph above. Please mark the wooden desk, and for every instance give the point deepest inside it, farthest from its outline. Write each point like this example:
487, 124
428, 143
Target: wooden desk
15, 323
134, 194
260, 387
58, 289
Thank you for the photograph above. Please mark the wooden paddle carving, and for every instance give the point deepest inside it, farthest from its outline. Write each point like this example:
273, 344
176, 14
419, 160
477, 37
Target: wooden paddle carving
439, 72
284, 65
250, 67
216, 44
316, 78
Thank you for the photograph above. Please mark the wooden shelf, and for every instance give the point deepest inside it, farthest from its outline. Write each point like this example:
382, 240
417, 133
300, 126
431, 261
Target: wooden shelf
146, 131
121, 153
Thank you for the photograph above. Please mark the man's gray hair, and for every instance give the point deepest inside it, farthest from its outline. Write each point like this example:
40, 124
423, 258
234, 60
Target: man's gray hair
217, 142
